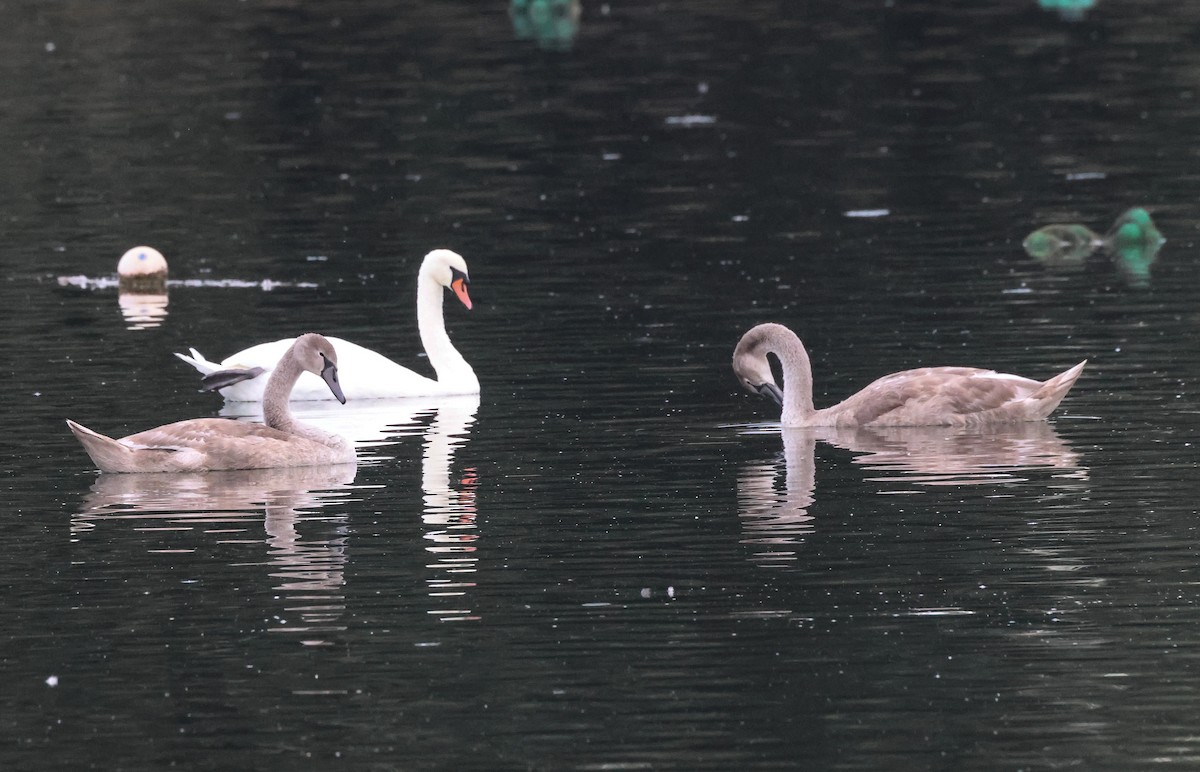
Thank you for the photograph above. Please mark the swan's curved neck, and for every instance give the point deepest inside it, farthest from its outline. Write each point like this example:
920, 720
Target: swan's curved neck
276, 413
444, 358
797, 380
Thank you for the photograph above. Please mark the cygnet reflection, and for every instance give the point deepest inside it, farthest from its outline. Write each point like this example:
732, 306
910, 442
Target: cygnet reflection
305, 532
777, 513
448, 508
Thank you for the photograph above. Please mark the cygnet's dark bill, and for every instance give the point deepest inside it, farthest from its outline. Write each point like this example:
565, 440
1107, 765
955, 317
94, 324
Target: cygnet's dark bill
772, 392
330, 376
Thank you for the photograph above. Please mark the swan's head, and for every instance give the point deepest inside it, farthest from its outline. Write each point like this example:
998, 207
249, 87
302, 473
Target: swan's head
449, 270
751, 365
316, 355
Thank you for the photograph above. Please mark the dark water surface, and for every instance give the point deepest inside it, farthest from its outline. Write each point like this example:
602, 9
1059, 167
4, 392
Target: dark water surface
613, 559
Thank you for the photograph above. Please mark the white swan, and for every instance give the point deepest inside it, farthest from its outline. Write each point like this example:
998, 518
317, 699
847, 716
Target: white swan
929, 396
206, 444
241, 377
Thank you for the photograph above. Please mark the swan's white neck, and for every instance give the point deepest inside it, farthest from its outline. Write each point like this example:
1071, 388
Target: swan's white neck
444, 358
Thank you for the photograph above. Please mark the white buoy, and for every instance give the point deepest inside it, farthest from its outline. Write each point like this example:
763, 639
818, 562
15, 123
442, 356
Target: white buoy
144, 270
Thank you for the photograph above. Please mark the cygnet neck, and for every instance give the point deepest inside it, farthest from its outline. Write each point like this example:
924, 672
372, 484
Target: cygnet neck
278, 391
797, 377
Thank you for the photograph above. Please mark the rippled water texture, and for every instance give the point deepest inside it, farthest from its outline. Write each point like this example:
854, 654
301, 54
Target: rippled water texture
613, 558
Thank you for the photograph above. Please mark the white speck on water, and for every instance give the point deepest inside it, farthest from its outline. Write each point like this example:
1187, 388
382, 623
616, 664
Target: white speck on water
867, 213
52, 681
50, 48
741, 218
611, 156
691, 120
317, 258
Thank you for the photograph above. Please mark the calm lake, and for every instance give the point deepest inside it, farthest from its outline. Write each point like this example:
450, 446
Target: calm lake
613, 558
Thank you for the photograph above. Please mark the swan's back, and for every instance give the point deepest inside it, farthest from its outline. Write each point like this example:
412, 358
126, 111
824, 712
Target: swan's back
209, 444
951, 396
372, 375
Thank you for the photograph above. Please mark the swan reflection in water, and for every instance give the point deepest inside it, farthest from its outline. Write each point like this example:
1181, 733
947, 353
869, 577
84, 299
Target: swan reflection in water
775, 518
449, 511
306, 541
306, 529
368, 423
448, 505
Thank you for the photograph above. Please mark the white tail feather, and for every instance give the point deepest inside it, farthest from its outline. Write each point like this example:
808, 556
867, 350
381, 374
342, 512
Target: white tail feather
198, 361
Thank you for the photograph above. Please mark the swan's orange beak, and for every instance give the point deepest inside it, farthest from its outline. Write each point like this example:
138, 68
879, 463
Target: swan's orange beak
459, 285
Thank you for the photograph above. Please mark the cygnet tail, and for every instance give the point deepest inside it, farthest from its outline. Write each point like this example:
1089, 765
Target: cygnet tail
1052, 391
198, 361
106, 453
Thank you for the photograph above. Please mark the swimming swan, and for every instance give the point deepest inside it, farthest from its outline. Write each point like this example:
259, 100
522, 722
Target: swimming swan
929, 396
241, 377
206, 444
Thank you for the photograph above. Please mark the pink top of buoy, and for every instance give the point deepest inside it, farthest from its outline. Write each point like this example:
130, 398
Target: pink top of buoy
142, 269
140, 261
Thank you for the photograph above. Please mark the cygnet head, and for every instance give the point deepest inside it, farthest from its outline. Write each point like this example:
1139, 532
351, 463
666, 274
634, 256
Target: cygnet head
142, 269
448, 269
316, 355
751, 365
